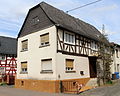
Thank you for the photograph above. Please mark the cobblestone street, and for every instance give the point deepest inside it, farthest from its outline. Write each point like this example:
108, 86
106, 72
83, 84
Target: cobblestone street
101, 91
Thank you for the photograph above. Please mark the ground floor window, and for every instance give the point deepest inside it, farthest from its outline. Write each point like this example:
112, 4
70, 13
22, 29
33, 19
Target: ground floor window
24, 67
46, 65
69, 64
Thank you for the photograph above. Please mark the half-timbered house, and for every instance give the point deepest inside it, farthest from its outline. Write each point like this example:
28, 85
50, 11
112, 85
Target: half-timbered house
8, 54
54, 46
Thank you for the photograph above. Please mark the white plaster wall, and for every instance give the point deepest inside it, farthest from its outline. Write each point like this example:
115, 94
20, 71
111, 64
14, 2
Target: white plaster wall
80, 64
116, 60
34, 55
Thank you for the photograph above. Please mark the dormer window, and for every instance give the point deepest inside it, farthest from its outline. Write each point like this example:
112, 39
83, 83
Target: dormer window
35, 20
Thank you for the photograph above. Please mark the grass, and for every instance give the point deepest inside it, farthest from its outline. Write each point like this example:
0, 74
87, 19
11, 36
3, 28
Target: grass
3, 84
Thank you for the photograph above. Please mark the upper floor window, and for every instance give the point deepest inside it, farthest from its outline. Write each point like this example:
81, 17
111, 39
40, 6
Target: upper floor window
24, 67
69, 38
25, 45
35, 20
44, 39
2, 57
117, 53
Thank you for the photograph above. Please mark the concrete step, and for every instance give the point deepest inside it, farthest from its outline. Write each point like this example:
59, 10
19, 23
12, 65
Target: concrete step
92, 82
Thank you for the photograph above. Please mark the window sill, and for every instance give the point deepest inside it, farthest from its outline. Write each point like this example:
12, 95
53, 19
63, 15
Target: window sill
23, 72
44, 45
70, 71
24, 50
46, 72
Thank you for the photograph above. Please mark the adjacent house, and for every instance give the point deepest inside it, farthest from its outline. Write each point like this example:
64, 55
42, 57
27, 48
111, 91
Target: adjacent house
54, 46
115, 67
8, 54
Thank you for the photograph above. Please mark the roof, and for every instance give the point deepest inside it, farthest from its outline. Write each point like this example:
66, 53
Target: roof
114, 44
8, 46
69, 22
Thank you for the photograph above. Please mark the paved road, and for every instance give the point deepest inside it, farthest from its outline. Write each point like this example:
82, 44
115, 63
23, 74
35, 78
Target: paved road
102, 91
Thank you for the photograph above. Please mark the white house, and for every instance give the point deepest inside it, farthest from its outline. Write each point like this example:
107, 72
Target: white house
54, 46
115, 67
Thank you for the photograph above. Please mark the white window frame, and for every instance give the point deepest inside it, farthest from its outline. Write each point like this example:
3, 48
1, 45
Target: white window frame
47, 69
69, 69
24, 49
69, 38
44, 43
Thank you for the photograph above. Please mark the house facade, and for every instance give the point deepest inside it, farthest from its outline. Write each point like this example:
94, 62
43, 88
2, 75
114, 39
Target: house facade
115, 67
8, 54
54, 46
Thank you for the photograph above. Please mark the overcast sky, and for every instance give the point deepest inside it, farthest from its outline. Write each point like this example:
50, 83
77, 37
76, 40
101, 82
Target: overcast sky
107, 12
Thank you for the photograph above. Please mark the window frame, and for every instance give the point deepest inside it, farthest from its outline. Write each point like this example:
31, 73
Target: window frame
73, 69
43, 44
46, 71
24, 70
22, 48
69, 37
35, 20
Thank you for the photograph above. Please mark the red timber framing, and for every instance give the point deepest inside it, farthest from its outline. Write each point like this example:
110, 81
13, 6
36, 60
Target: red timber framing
9, 65
81, 47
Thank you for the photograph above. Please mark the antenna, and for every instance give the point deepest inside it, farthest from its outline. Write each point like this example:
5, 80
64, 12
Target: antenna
83, 6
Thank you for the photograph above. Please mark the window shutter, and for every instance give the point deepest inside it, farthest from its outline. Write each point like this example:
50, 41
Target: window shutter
44, 38
24, 65
25, 44
69, 63
46, 65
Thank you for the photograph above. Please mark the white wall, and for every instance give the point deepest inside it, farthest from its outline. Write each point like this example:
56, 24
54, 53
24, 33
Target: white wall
80, 64
116, 60
34, 54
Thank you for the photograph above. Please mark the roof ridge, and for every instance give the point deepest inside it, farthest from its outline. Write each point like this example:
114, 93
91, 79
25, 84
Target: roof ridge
8, 37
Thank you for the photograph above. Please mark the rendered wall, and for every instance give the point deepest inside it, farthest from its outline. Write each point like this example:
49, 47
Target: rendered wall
35, 53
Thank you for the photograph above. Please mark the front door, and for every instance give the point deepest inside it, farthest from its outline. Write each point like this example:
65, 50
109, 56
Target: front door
92, 67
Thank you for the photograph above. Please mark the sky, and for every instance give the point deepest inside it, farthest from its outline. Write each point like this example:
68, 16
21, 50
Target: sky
107, 12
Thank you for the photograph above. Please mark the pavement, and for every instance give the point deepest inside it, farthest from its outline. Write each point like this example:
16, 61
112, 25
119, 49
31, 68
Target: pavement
101, 91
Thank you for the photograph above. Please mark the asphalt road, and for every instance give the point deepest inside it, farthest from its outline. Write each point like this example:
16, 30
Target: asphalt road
101, 91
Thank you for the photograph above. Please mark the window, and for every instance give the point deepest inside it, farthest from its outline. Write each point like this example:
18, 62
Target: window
69, 38
25, 45
23, 67
69, 64
44, 39
46, 65
2, 57
118, 68
35, 20
117, 53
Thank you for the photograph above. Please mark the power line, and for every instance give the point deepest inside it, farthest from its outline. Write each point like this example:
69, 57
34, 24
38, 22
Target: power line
83, 5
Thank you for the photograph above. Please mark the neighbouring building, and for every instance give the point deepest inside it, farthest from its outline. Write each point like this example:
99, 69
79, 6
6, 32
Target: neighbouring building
54, 46
8, 54
115, 67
